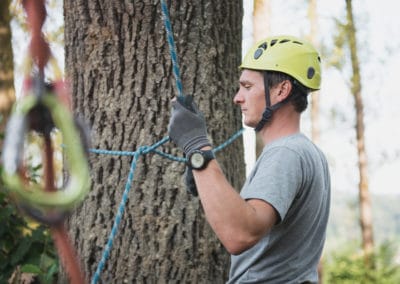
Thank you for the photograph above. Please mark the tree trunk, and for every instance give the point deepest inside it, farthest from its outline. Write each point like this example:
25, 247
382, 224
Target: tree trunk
7, 93
117, 58
313, 16
364, 196
315, 131
261, 29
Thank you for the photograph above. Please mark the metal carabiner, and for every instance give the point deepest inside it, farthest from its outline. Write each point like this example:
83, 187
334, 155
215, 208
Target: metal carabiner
49, 113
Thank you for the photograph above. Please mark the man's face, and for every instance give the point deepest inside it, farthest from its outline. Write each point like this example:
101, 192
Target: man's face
251, 96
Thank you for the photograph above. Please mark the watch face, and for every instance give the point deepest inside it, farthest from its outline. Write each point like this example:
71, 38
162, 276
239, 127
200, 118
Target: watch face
197, 160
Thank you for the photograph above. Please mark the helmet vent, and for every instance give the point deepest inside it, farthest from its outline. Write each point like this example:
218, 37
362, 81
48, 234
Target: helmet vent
273, 42
310, 72
260, 50
263, 45
298, 42
284, 40
258, 53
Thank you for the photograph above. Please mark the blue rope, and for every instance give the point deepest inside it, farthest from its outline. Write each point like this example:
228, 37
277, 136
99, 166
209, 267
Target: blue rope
162, 154
136, 154
128, 185
141, 151
172, 47
132, 153
113, 153
118, 218
229, 140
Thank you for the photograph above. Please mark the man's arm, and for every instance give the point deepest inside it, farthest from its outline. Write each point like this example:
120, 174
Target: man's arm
239, 224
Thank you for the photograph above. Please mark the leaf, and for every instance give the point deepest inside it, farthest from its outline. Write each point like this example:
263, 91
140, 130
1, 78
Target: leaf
21, 251
3, 261
46, 261
53, 270
38, 234
30, 268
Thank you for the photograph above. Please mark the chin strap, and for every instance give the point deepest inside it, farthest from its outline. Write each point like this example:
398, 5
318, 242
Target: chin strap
269, 110
267, 114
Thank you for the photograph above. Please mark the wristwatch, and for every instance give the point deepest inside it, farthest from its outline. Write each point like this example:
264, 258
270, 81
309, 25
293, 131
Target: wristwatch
198, 159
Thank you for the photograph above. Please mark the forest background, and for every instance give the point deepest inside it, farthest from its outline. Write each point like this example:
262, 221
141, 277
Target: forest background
378, 46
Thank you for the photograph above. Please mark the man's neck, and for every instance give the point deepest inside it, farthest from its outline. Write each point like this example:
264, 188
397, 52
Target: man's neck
283, 123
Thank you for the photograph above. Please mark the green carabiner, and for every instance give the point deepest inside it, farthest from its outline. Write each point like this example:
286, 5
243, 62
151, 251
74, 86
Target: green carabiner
34, 195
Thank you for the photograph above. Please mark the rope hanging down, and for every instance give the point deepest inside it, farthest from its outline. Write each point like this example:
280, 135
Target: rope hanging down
172, 48
143, 150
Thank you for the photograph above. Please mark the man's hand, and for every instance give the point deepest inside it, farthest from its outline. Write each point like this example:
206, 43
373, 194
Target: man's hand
187, 126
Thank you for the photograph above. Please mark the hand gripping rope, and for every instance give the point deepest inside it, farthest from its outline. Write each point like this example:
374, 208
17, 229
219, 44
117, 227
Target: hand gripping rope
42, 110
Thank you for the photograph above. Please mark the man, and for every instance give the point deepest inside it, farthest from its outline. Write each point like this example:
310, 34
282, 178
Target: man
275, 229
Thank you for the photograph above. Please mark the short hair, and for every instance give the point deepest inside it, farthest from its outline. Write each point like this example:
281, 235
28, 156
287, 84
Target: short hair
299, 92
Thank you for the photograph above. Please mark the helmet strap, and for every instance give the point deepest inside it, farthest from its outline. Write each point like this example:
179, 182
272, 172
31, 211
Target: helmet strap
267, 114
266, 90
269, 110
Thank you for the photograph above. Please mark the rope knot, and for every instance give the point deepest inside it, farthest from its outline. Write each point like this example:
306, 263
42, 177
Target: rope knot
143, 150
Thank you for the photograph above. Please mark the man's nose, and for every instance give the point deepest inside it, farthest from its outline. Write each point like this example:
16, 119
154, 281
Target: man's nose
238, 98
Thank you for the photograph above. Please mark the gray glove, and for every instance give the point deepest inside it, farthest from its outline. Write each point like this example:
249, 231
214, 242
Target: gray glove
187, 126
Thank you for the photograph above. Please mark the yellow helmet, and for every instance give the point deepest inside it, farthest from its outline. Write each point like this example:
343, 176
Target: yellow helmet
289, 55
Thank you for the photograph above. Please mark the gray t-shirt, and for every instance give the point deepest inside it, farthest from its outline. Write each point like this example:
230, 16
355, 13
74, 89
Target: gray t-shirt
292, 175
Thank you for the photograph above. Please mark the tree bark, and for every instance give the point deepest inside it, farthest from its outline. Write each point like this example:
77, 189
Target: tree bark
7, 93
364, 196
117, 58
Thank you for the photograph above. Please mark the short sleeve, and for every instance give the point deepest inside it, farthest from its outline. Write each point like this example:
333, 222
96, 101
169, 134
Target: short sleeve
276, 179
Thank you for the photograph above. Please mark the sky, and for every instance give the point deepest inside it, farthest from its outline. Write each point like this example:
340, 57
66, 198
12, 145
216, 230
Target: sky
378, 38
379, 46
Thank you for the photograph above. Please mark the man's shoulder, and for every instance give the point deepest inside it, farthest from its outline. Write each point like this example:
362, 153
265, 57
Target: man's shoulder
294, 148
294, 142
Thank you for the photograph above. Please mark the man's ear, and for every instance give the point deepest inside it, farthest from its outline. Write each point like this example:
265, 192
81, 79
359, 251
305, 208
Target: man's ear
285, 88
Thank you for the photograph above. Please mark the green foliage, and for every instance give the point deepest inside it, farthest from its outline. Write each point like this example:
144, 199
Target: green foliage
347, 266
24, 246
